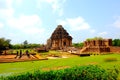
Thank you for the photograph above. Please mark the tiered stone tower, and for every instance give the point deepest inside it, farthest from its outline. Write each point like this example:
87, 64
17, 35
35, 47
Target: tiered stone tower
59, 39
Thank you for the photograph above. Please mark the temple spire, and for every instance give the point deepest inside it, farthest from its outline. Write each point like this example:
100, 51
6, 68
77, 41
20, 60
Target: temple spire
60, 38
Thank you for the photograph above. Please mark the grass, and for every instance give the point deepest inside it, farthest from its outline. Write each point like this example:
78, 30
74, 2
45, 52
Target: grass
19, 67
88, 72
110, 59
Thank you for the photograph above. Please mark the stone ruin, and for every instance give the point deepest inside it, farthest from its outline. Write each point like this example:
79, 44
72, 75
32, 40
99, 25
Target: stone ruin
60, 39
42, 49
102, 45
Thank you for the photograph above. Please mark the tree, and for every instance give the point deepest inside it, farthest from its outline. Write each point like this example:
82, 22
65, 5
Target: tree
22, 46
4, 44
116, 42
95, 38
78, 44
16, 46
25, 43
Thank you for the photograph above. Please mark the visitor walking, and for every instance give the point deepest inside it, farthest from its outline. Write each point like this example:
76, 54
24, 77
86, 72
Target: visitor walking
27, 53
20, 54
17, 54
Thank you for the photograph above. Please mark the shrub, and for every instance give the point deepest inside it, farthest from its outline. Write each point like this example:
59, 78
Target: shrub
1, 52
85, 54
76, 73
110, 59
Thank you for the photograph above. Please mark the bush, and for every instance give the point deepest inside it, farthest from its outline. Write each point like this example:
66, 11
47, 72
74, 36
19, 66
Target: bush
85, 54
110, 59
76, 73
1, 52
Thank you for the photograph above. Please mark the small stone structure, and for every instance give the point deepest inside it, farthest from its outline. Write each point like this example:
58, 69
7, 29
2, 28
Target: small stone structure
97, 46
60, 39
42, 49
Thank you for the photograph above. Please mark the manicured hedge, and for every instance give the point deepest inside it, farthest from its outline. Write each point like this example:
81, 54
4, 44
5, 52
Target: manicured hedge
89, 72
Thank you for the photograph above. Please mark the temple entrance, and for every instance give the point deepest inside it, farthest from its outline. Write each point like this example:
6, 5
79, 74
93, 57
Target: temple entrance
64, 44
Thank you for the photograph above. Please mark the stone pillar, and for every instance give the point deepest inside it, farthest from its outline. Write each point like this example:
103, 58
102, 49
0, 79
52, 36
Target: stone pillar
98, 43
85, 43
109, 42
94, 43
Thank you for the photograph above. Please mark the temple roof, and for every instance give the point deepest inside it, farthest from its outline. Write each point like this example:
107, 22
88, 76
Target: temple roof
60, 33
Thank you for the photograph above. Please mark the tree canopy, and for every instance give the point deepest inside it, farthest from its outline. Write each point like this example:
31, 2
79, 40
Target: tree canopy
78, 44
4, 43
95, 38
116, 42
25, 46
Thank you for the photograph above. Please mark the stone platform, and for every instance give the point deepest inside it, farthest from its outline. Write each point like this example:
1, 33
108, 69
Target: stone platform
11, 58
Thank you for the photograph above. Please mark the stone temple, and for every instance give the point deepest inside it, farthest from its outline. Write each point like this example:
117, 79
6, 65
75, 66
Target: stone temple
59, 39
103, 45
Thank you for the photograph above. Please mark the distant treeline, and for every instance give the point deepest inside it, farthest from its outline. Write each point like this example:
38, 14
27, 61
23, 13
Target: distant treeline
80, 45
5, 44
25, 46
116, 42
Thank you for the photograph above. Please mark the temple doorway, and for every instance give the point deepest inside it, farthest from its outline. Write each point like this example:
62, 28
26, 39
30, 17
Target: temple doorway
64, 43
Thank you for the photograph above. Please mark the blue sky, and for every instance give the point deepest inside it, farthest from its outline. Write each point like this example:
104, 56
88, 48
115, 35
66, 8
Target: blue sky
35, 20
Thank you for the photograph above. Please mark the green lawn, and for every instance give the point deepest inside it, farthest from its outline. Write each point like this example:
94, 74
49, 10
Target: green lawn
18, 67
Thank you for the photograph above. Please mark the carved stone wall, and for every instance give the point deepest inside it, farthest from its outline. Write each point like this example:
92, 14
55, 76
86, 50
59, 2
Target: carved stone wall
97, 45
115, 49
59, 39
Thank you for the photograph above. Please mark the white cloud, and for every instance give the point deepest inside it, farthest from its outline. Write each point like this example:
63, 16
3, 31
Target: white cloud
6, 13
1, 25
102, 34
6, 9
62, 22
75, 24
57, 5
28, 24
92, 30
117, 22
12, 35
19, 2
6, 3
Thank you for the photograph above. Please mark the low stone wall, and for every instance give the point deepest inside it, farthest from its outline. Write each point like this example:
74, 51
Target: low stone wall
114, 49
98, 49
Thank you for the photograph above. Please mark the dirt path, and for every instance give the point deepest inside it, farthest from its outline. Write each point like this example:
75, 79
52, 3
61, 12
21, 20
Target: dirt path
11, 58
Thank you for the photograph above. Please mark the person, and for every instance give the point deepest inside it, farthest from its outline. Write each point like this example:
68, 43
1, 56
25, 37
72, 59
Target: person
27, 53
17, 54
5, 52
20, 54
